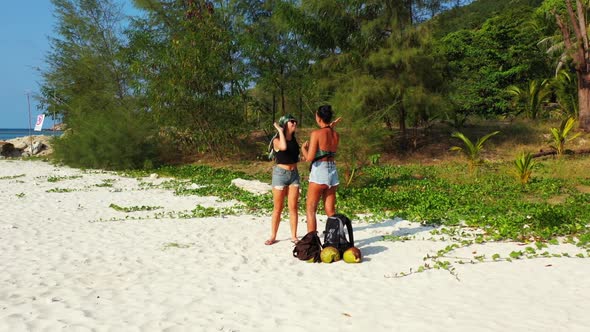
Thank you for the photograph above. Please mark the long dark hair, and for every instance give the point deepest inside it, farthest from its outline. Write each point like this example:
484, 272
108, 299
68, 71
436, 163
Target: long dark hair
283, 123
325, 113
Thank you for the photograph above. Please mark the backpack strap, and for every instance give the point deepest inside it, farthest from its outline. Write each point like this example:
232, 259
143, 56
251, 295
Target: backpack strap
271, 150
346, 221
319, 242
349, 227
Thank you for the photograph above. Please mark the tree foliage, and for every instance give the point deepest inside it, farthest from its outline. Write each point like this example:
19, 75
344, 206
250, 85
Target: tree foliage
276, 58
530, 100
483, 62
184, 61
197, 76
471, 15
87, 83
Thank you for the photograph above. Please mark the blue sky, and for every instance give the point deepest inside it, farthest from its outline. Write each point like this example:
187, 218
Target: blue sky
25, 28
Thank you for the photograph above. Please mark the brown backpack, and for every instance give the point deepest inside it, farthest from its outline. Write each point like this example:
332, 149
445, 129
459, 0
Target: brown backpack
309, 247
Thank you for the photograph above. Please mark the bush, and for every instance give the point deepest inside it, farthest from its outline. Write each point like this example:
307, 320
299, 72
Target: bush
114, 139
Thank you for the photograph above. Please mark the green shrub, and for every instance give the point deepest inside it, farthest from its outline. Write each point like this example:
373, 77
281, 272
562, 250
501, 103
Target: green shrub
114, 139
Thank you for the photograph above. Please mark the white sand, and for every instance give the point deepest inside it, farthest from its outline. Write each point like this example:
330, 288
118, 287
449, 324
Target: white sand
60, 269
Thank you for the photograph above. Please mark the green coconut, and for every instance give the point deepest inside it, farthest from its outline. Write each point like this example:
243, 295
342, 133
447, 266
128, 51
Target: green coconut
329, 255
352, 255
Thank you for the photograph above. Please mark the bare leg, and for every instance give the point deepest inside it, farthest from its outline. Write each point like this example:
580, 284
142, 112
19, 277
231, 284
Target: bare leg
278, 198
330, 201
293, 200
314, 191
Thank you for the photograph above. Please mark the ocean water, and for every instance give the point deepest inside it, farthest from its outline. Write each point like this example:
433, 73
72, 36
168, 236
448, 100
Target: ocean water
6, 134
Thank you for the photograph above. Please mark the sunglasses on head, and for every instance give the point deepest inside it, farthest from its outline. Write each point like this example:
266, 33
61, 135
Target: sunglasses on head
293, 121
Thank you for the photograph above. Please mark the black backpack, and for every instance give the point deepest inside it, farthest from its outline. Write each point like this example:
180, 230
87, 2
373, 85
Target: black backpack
309, 247
271, 150
335, 234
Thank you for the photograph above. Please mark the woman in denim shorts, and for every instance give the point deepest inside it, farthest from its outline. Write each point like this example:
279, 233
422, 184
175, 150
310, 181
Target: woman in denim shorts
323, 177
285, 177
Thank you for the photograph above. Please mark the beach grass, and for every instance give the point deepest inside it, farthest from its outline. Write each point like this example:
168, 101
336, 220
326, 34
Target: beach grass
553, 203
433, 191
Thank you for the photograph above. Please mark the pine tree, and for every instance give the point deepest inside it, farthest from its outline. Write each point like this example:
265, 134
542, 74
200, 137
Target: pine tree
185, 60
87, 82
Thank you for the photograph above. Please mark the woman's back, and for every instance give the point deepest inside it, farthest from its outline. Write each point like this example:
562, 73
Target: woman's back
327, 139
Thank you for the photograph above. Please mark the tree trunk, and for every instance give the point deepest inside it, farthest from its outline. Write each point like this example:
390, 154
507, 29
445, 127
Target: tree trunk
274, 108
410, 12
579, 50
584, 100
402, 128
402, 121
283, 100
300, 110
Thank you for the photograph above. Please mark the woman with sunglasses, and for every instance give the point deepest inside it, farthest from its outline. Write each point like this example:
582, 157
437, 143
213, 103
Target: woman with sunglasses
285, 177
323, 177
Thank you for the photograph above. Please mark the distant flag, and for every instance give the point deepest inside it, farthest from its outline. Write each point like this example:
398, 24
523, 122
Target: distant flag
39, 124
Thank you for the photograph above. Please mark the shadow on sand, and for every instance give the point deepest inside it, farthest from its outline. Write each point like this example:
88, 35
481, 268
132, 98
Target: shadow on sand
366, 244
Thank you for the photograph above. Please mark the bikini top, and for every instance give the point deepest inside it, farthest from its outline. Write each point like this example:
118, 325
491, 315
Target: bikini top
322, 153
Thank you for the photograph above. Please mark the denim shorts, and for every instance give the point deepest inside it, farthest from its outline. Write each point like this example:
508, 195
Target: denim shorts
282, 177
324, 172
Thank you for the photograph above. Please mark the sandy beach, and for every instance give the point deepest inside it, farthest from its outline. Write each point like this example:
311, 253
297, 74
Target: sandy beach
71, 262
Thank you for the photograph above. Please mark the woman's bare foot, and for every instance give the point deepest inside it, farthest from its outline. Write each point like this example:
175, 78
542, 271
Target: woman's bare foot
270, 242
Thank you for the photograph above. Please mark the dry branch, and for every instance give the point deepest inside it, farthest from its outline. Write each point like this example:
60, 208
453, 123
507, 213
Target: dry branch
553, 152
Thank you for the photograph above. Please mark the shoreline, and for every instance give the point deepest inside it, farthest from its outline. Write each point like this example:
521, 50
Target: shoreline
7, 135
65, 268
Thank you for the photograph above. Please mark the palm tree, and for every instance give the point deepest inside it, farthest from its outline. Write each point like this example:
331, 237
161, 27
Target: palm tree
565, 85
472, 151
577, 46
560, 135
524, 164
532, 98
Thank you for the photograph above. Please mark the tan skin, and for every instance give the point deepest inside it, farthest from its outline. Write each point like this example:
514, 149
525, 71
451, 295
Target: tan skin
327, 140
291, 192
